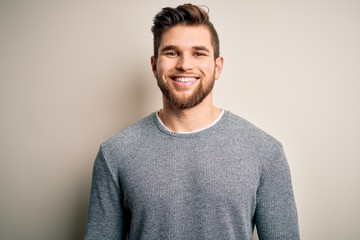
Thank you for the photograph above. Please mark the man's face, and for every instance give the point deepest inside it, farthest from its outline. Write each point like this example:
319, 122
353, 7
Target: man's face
185, 68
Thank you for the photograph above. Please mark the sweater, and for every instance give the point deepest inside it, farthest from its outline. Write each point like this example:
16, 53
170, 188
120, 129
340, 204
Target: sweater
218, 183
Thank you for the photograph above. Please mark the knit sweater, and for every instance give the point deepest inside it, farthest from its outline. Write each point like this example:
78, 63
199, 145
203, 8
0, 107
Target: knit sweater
150, 183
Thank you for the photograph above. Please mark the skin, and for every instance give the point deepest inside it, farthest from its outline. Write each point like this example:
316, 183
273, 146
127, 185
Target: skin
185, 71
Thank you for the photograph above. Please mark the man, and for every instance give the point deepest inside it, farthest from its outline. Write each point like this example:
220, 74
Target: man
190, 170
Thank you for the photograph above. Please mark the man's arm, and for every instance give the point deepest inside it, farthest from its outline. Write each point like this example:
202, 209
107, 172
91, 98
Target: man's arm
276, 214
106, 212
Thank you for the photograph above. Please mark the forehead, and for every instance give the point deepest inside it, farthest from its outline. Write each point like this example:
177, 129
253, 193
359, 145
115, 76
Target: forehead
184, 36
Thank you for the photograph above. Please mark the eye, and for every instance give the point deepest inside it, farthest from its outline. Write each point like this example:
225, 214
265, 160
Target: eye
199, 54
171, 54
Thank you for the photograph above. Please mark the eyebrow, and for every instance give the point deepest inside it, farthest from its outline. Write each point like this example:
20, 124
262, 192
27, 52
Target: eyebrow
173, 47
201, 48
168, 47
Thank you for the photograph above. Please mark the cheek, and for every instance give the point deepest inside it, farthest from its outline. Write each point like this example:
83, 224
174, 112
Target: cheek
164, 66
207, 67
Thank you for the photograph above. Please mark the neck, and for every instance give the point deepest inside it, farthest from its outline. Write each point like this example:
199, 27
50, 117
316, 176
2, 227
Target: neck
188, 120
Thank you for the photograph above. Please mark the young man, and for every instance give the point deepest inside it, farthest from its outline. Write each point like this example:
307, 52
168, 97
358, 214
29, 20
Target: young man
190, 170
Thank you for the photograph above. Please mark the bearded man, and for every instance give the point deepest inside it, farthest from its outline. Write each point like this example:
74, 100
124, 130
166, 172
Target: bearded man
190, 170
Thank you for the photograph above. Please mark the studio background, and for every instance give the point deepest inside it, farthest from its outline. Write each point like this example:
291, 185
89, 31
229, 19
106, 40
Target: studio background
72, 73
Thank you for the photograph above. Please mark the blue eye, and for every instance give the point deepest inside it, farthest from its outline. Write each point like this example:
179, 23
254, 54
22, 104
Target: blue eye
199, 54
173, 54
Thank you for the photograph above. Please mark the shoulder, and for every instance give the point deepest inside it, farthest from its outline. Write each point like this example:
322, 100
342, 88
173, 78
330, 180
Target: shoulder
244, 135
260, 148
131, 134
247, 130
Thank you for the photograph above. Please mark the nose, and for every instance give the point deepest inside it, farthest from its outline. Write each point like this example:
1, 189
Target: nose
184, 63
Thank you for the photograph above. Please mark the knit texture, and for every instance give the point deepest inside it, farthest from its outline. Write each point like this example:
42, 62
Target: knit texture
149, 183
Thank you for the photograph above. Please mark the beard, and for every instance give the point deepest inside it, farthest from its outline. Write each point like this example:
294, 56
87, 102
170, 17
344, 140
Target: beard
186, 101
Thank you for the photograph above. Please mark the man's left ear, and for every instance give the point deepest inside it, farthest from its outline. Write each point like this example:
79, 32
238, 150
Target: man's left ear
219, 63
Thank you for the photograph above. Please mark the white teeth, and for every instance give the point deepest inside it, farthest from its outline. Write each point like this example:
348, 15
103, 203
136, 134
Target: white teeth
185, 79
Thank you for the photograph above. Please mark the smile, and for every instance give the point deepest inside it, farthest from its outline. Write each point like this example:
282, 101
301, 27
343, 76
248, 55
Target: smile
185, 79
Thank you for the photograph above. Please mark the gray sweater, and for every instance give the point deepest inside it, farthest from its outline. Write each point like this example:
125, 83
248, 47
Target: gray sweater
149, 183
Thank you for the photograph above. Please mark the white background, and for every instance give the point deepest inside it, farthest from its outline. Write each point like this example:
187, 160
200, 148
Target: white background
74, 72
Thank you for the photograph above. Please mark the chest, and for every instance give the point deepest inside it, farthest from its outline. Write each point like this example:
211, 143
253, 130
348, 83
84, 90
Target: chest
208, 176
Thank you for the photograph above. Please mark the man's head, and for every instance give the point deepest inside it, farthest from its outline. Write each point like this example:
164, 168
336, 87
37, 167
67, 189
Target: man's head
186, 59
186, 14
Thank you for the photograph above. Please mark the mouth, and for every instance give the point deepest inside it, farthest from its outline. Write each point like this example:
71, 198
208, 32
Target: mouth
183, 79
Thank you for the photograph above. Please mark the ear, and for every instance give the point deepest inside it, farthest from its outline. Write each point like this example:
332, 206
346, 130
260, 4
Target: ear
219, 63
153, 64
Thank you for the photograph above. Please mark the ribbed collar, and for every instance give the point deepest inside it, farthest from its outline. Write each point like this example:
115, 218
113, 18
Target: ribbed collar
166, 130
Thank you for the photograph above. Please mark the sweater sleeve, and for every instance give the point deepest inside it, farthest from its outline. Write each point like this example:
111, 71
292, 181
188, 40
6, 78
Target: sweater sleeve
106, 215
276, 214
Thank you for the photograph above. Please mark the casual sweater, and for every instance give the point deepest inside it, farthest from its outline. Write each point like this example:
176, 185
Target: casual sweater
218, 183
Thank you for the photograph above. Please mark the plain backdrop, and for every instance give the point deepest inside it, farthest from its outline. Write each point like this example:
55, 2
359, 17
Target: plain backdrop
72, 73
